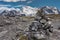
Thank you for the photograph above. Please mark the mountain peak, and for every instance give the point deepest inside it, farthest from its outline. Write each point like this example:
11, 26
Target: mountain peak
50, 10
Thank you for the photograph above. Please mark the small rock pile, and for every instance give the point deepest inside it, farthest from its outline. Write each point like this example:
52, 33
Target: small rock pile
40, 28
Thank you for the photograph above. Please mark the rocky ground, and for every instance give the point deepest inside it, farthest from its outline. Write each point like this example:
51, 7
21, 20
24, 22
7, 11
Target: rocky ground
10, 27
56, 30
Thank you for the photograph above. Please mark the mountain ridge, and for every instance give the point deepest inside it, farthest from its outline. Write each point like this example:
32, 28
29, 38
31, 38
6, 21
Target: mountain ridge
28, 11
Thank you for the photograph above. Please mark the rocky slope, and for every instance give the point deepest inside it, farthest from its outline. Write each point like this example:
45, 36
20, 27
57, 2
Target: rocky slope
11, 26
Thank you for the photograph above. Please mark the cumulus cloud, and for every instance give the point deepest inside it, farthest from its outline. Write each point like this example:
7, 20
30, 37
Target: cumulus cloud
12, 0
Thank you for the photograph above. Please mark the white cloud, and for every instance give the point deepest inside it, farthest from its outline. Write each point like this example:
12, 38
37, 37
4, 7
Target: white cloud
29, 2
12, 0
4, 5
19, 5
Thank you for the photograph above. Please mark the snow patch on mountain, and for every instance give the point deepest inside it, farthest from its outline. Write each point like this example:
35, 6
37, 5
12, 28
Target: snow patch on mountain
30, 11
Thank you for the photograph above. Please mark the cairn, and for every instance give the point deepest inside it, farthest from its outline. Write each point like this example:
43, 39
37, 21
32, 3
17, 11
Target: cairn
41, 27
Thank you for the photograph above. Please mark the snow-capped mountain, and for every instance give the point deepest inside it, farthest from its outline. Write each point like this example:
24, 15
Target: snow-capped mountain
28, 11
9, 11
50, 10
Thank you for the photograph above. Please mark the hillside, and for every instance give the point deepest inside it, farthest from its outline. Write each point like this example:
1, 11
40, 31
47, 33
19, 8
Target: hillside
11, 26
54, 16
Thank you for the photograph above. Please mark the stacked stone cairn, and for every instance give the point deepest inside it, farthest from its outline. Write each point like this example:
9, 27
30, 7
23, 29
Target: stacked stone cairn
40, 28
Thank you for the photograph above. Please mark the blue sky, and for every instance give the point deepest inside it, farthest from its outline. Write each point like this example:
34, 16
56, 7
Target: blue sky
33, 3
